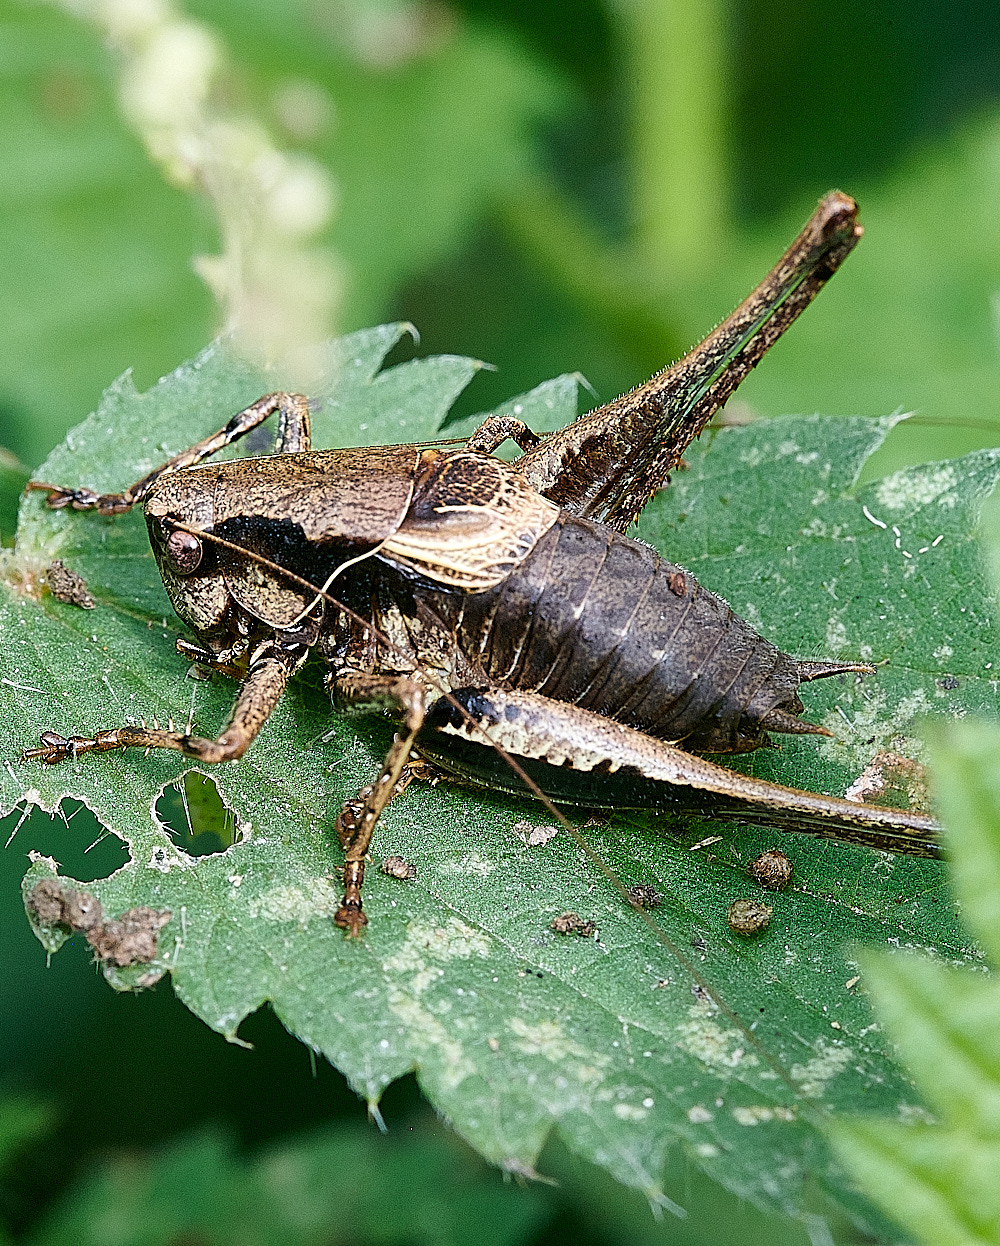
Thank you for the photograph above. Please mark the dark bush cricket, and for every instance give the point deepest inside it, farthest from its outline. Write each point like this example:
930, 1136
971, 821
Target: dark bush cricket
486, 602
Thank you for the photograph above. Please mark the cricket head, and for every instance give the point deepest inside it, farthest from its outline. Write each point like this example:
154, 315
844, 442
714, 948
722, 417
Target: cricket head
179, 508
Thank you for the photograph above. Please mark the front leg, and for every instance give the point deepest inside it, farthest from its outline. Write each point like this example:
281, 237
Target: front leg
357, 691
260, 693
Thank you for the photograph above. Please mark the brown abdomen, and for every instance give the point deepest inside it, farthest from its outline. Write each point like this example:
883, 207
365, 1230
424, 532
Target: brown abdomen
602, 621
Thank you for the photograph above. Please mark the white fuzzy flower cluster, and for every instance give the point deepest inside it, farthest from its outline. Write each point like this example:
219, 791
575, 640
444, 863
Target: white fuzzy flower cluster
278, 289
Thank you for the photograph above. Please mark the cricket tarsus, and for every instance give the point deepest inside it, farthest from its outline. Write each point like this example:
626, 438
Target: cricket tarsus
483, 603
261, 691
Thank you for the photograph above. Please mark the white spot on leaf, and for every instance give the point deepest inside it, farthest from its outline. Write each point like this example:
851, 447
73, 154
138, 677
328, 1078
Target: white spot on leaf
443, 942
546, 1038
703, 1037
813, 1076
418, 965
760, 1113
913, 488
628, 1112
472, 864
535, 836
315, 898
836, 635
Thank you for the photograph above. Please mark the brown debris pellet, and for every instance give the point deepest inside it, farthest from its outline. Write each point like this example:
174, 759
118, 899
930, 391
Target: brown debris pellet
772, 869
748, 917
399, 867
573, 923
677, 583
68, 586
644, 897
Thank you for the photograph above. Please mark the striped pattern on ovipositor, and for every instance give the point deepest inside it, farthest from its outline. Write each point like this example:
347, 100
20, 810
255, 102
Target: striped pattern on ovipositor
594, 618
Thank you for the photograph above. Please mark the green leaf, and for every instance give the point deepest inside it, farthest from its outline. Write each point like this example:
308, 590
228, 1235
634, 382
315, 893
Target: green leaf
617, 1041
418, 1187
944, 1022
22, 1120
941, 1185
95, 248
422, 143
967, 783
941, 1180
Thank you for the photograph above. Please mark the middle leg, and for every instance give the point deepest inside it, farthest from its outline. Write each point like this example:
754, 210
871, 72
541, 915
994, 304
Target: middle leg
357, 819
293, 436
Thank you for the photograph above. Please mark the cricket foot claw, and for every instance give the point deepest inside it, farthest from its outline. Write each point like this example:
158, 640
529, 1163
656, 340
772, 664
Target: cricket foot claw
82, 499
349, 917
56, 748
58, 497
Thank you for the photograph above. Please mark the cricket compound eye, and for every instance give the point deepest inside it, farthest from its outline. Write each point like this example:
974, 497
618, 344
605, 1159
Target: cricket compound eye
183, 551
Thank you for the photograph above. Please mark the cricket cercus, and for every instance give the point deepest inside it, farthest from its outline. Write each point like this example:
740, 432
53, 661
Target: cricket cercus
497, 609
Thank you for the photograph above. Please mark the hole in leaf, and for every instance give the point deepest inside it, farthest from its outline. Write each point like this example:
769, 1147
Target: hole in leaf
84, 848
195, 816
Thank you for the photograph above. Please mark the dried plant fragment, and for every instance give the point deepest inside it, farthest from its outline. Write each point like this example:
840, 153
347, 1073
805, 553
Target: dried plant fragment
277, 285
130, 939
748, 917
68, 585
535, 836
55, 904
573, 923
892, 781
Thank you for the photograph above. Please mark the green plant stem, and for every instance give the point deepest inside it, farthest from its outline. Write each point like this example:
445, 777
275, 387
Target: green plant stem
607, 282
679, 145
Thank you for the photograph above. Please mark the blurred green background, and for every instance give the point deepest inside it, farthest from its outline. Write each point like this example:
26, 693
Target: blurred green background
551, 186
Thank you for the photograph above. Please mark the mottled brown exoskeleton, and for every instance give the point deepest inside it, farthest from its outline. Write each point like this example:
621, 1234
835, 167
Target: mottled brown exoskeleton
490, 602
